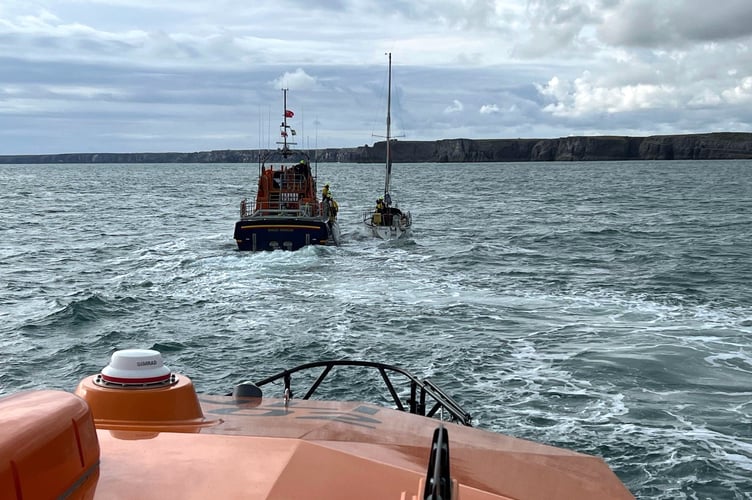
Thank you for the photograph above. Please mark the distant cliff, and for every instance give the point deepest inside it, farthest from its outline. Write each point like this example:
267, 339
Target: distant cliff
714, 146
222, 156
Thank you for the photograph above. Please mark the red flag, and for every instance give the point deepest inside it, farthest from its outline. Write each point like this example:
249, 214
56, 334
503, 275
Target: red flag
289, 114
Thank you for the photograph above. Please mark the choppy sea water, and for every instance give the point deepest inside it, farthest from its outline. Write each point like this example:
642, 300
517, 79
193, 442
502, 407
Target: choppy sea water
600, 307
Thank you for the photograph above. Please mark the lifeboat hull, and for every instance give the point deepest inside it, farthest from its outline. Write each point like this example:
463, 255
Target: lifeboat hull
284, 233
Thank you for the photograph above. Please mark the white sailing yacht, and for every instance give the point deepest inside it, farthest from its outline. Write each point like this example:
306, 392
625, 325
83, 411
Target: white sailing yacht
387, 221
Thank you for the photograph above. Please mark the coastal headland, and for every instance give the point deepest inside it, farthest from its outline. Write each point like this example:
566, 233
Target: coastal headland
710, 146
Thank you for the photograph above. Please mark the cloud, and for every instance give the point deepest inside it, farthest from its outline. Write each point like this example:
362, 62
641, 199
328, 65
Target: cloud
455, 107
741, 94
297, 80
489, 109
585, 96
554, 26
647, 23
135, 75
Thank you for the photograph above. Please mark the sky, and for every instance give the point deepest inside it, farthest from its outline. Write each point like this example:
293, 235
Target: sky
80, 76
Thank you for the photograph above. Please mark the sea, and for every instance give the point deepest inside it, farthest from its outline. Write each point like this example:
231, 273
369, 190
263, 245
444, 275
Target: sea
602, 307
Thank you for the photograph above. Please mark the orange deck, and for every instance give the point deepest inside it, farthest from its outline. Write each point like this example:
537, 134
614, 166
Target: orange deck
260, 448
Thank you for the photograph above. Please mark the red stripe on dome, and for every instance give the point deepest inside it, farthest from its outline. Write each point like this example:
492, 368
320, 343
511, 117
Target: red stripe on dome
148, 380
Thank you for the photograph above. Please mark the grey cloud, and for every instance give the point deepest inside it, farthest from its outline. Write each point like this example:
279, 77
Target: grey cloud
554, 27
729, 20
640, 23
139, 77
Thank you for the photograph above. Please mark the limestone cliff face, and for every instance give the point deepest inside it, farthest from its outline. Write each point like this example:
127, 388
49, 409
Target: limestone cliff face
221, 156
719, 146
728, 146
715, 146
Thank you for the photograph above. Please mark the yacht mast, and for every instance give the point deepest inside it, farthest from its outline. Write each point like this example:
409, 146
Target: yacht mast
388, 129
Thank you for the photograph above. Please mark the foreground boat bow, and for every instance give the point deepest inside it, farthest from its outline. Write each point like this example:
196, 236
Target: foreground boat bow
139, 430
